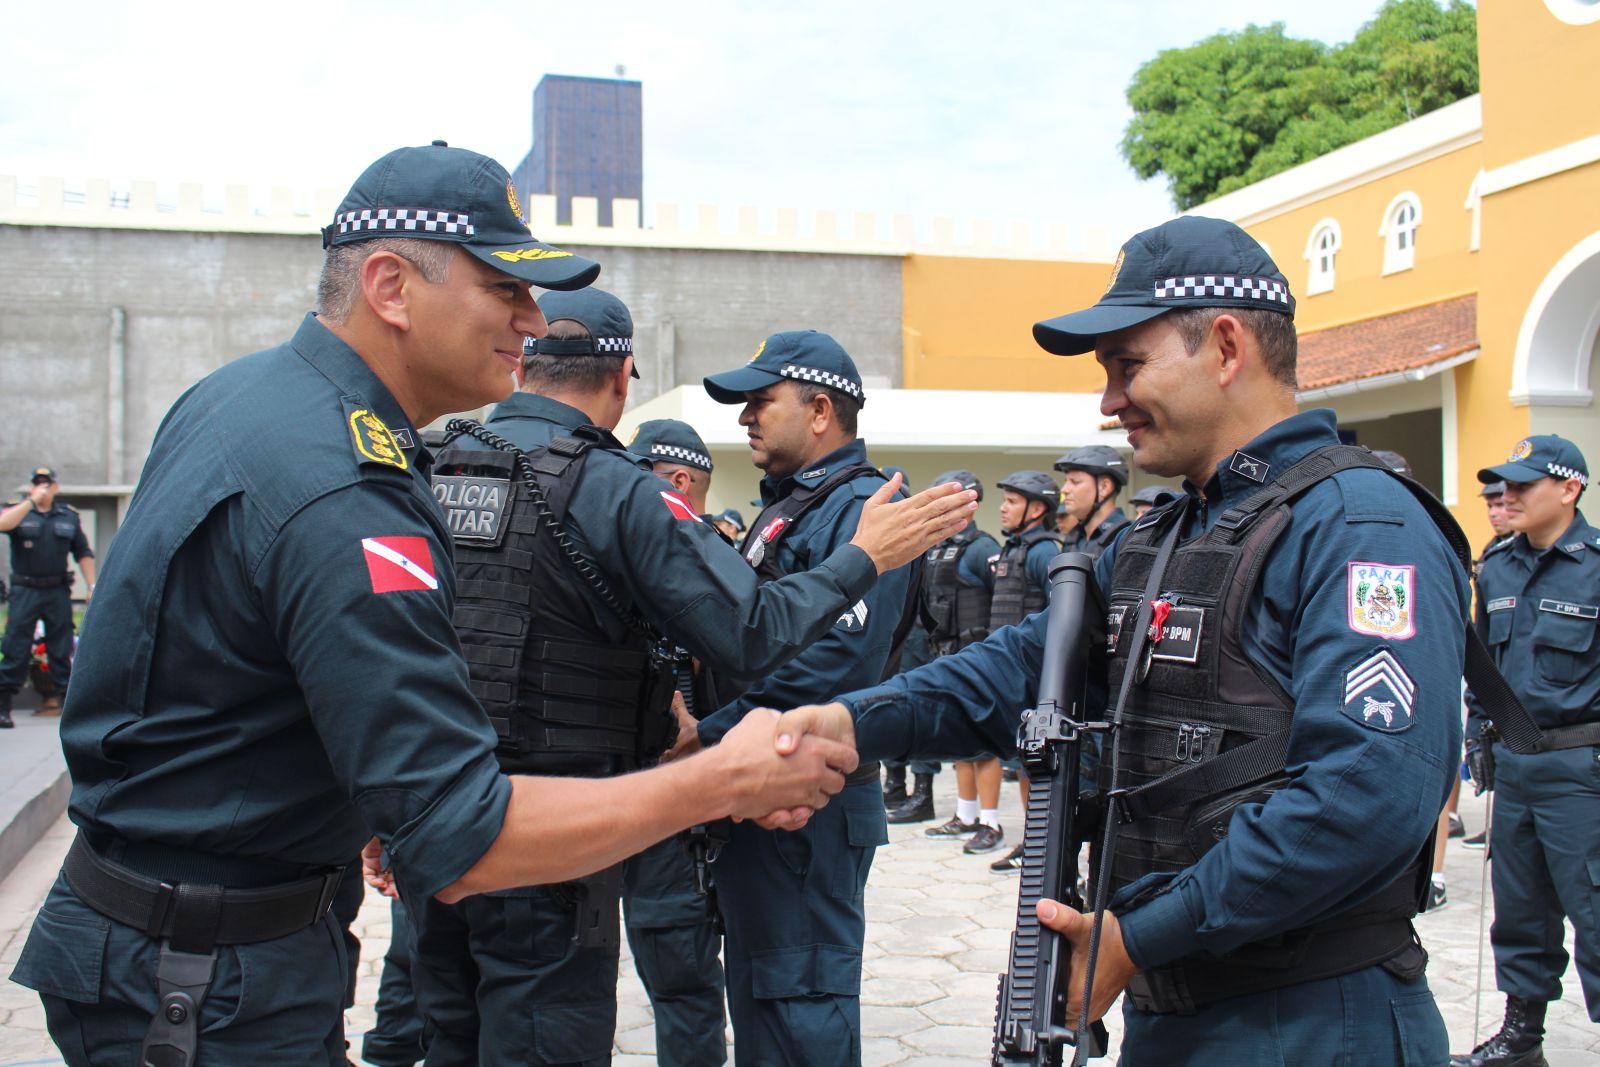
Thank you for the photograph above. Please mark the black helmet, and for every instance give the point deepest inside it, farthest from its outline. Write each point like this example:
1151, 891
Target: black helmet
1098, 461
1394, 461
967, 479
1155, 495
1036, 485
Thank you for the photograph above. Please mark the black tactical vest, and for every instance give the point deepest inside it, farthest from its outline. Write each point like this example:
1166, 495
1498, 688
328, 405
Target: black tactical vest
1015, 595
1206, 708
955, 608
565, 695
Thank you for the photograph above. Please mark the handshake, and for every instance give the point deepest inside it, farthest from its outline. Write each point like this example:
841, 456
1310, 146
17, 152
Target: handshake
780, 768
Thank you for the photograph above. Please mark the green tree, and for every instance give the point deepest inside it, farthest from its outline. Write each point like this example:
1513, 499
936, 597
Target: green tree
1238, 107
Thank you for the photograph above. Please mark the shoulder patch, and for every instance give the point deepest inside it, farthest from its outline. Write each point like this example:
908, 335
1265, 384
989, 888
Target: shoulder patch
374, 441
395, 564
1378, 693
678, 506
1372, 496
853, 619
1381, 599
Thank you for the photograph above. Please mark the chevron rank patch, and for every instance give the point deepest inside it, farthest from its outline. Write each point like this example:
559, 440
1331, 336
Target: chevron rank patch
853, 619
1378, 693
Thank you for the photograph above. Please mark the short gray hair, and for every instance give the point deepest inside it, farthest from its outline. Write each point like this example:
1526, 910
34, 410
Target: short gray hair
341, 270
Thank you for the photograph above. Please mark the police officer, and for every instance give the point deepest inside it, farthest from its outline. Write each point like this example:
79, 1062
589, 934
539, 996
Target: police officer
1260, 915
270, 675
957, 586
668, 906
1494, 502
43, 532
1093, 476
1538, 605
1021, 588
1151, 496
794, 903
580, 573
730, 522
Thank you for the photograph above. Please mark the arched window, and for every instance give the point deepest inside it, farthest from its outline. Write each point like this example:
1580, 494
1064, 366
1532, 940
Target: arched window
1399, 232
1320, 253
1575, 12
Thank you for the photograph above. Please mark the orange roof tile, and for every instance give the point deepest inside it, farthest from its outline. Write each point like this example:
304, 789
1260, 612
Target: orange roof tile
1389, 344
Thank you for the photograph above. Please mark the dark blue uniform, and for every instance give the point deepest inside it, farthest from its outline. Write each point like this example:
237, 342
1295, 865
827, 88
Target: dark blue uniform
1363, 793
395, 1039
263, 688
794, 902
499, 977
41, 589
1537, 612
1096, 543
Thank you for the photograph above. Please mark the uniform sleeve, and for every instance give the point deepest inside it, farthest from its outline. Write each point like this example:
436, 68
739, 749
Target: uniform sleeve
1476, 719
80, 544
853, 649
1374, 739
358, 590
975, 561
697, 589
1039, 557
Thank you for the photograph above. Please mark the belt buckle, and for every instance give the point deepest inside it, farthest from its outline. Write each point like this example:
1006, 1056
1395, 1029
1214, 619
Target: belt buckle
330, 886
160, 908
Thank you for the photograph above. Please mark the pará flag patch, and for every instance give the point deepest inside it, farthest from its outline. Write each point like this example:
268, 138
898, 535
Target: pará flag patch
1382, 599
678, 506
399, 563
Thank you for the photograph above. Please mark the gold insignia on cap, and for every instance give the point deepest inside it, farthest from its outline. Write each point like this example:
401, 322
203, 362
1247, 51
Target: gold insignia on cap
1523, 450
527, 255
762, 347
634, 436
516, 205
1116, 269
374, 440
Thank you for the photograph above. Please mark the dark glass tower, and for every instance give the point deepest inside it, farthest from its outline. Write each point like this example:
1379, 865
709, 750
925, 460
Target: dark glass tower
587, 141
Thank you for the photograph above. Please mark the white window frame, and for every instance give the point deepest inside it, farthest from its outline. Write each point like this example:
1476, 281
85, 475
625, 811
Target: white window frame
1474, 204
1400, 241
1321, 258
1575, 12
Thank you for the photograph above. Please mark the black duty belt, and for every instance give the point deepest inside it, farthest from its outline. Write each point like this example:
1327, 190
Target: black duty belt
867, 772
35, 581
196, 917
1579, 735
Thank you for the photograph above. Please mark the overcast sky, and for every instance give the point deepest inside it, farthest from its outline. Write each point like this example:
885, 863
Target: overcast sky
928, 108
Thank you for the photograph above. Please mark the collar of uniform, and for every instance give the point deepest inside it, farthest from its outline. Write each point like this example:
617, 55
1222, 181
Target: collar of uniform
1113, 518
1578, 536
521, 405
345, 368
854, 451
1280, 447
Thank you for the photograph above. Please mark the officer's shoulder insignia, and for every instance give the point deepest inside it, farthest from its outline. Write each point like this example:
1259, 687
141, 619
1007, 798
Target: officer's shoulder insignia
1378, 693
1248, 466
374, 441
853, 619
1380, 599
70, 508
678, 506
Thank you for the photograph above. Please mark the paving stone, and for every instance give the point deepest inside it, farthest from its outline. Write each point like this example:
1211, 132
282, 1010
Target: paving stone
898, 992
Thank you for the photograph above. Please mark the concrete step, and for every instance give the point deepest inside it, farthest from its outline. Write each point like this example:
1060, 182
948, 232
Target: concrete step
33, 780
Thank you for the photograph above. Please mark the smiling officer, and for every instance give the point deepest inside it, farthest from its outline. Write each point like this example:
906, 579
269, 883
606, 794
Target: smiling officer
270, 675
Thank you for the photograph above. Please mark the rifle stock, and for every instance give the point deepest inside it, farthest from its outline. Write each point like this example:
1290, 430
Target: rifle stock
1030, 1017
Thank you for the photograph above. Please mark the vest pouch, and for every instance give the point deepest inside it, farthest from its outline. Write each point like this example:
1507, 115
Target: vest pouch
492, 643
1208, 824
658, 727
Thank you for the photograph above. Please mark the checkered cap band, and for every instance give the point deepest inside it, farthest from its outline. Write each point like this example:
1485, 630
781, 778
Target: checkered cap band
688, 455
822, 377
613, 344
1560, 471
405, 219
1238, 286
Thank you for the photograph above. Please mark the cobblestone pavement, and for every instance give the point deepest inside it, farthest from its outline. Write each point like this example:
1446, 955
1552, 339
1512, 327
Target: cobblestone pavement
937, 935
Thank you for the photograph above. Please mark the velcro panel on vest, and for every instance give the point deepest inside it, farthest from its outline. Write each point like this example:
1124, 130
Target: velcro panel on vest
473, 589
489, 621
518, 559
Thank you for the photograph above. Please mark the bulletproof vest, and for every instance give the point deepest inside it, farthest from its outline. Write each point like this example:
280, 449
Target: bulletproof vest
1097, 543
1016, 596
565, 696
955, 608
1206, 711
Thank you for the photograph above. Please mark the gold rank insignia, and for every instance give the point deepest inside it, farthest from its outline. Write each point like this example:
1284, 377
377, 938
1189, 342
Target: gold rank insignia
374, 440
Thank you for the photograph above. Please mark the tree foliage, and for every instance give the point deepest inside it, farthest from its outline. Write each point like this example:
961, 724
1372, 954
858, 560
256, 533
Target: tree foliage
1238, 107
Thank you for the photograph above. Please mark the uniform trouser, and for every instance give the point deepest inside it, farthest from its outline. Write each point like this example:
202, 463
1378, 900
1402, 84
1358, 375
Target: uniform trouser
346, 906
499, 980
271, 1004
1366, 1019
675, 948
794, 908
1546, 865
395, 1039
28, 606
918, 766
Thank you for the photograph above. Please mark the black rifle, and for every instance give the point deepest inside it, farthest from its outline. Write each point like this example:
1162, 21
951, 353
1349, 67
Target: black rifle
1030, 1018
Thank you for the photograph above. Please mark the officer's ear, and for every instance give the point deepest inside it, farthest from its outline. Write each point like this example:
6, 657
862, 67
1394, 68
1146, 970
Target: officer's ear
383, 286
1232, 339
820, 410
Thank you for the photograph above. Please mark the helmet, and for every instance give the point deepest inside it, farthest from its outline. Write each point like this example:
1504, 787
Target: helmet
967, 479
1394, 461
1036, 485
1097, 460
1155, 495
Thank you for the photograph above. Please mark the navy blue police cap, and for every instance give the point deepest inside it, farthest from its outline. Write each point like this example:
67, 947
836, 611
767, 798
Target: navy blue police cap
670, 441
1493, 489
732, 515
43, 475
438, 193
1190, 261
606, 318
800, 355
1544, 455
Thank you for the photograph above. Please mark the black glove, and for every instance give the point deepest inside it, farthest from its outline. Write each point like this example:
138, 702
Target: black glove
1480, 764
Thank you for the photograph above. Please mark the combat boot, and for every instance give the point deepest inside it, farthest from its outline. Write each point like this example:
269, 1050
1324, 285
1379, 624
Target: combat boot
894, 788
5, 712
919, 807
1520, 1042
